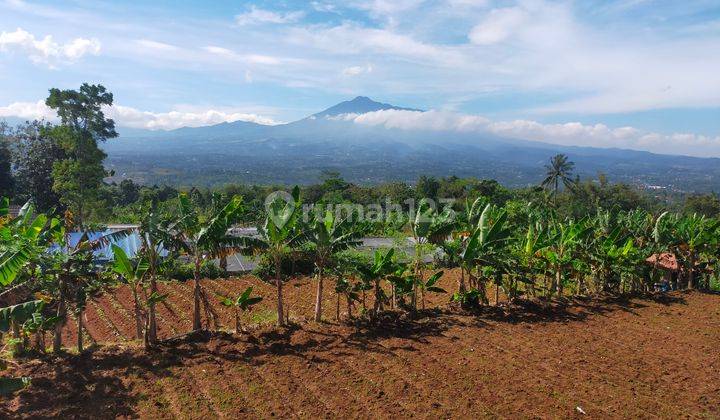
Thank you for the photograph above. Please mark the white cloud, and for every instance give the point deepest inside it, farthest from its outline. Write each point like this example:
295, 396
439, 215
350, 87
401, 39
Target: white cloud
28, 110
387, 7
46, 50
467, 3
248, 58
257, 16
498, 26
357, 70
351, 38
568, 134
158, 46
131, 117
323, 7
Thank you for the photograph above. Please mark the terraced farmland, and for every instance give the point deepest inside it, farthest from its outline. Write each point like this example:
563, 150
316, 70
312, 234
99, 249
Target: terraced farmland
643, 358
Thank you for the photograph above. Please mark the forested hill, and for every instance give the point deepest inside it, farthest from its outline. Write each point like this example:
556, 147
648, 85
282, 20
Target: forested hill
298, 152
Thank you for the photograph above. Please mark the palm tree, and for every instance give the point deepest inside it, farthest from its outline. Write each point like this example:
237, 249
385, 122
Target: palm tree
558, 171
206, 240
329, 235
279, 232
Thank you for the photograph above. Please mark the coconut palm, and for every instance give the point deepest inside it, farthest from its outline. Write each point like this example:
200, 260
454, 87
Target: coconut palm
559, 171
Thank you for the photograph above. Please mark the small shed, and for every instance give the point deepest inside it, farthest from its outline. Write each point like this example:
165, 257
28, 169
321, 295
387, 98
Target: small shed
666, 261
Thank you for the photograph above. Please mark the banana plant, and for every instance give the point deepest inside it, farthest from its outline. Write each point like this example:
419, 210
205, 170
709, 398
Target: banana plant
134, 275
693, 235
608, 257
203, 240
277, 235
4, 208
24, 238
330, 235
381, 266
429, 227
527, 249
429, 285
485, 247
243, 302
350, 290
155, 236
564, 242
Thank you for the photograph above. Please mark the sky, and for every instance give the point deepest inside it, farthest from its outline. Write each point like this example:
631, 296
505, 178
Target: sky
639, 74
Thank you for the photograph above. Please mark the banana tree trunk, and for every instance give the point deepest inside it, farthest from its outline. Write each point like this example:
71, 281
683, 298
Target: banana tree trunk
20, 346
378, 298
238, 330
319, 296
152, 323
337, 307
80, 331
278, 284
62, 315
138, 316
558, 281
197, 322
691, 272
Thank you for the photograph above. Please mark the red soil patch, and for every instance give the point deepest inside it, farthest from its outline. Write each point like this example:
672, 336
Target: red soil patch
642, 358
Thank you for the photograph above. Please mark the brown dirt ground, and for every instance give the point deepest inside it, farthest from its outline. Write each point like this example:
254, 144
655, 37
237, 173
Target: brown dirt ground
649, 357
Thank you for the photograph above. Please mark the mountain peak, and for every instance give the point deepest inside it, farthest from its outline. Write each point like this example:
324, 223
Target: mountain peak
358, 105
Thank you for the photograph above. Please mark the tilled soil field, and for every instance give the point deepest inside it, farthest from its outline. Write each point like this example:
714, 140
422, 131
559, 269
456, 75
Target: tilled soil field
651, 357
110, 318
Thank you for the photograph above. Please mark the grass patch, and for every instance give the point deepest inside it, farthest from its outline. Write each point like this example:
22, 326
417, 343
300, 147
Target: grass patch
265, 316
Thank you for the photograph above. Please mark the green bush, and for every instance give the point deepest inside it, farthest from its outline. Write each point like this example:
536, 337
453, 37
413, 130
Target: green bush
182, 271
298, 263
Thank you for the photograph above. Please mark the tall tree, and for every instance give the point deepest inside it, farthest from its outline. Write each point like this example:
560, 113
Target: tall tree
559, 171
79, 176
7, 184
35, 153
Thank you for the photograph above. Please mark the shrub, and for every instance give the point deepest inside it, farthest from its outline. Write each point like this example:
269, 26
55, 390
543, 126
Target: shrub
299, 262
182, 271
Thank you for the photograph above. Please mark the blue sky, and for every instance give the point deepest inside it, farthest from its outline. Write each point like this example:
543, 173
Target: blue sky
641, 74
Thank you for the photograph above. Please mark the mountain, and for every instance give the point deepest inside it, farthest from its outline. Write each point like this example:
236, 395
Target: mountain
297, 152
359, 105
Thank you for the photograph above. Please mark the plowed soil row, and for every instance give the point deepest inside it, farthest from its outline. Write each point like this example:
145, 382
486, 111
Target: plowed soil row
652, 357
